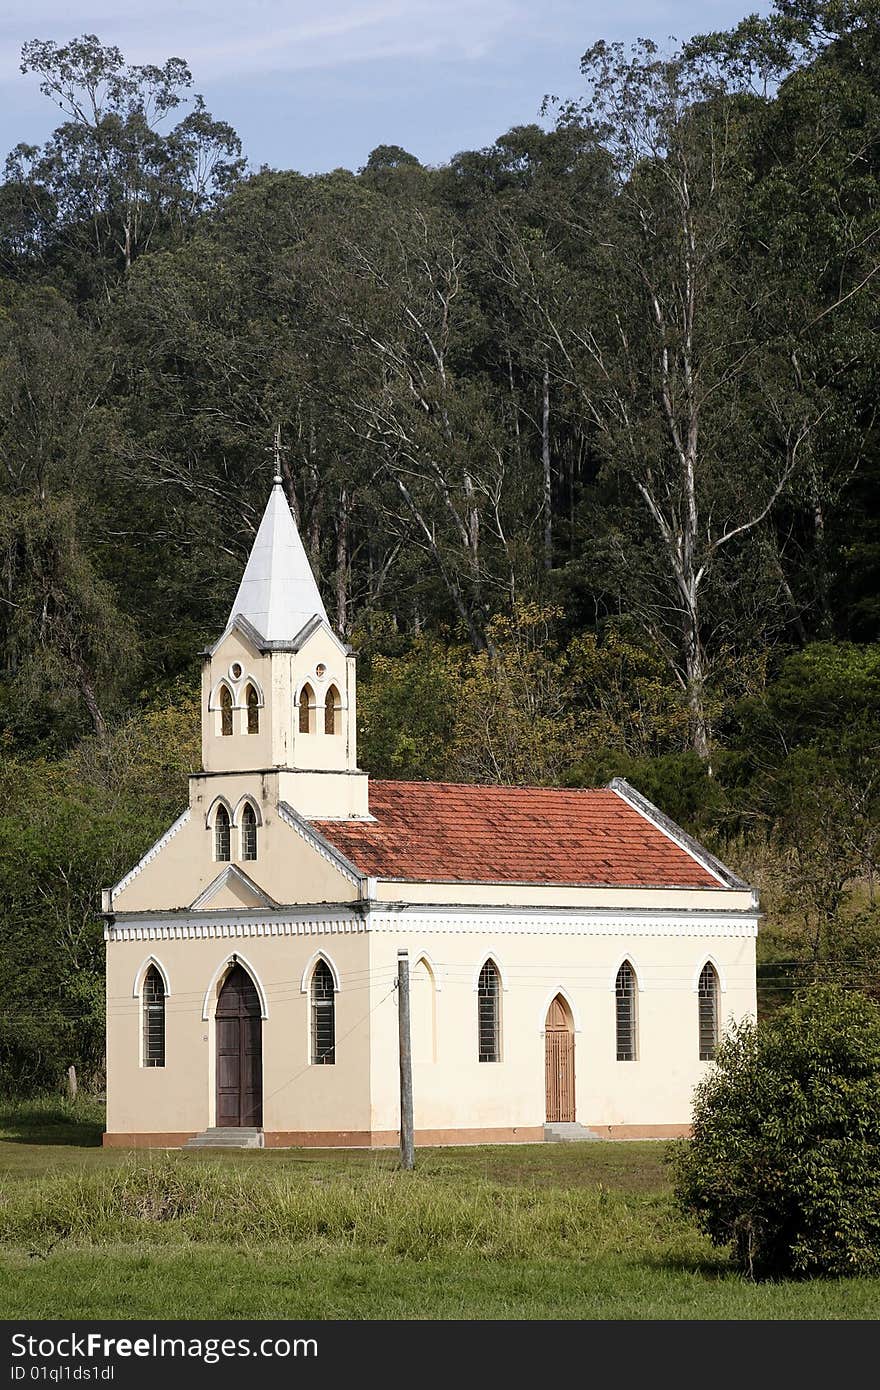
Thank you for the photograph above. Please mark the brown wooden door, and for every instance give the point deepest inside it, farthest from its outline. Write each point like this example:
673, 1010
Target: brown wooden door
239, 1052
559, 1061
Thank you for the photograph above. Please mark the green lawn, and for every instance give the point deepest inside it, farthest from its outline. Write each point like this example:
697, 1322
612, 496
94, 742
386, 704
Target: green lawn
531, 1231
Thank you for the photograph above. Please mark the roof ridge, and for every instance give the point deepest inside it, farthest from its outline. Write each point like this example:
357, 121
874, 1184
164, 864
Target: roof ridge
484, 786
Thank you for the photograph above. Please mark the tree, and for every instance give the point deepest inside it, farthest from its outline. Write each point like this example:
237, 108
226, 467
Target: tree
784, 1163
69, 828
701, 416
110, 177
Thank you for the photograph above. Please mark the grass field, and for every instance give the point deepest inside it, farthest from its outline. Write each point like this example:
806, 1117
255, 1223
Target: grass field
525, 1231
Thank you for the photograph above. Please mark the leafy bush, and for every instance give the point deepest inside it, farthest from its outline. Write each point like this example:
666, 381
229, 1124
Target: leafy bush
784, 1163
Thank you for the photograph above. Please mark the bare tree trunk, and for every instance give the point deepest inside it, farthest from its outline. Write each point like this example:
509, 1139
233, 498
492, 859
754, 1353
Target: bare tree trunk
87, 691
547, 476
821, 560
696, 690
342, 564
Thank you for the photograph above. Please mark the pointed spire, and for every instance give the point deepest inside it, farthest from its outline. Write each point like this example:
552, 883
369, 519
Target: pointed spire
278, 593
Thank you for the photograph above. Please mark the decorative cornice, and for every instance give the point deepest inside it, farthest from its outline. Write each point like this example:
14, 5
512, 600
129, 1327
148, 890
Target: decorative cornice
290, 921
238, 624
320, 844
186, 927
150, 855
262, 644
572, 922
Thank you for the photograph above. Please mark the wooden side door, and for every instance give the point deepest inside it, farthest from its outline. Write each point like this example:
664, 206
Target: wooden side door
559, 1062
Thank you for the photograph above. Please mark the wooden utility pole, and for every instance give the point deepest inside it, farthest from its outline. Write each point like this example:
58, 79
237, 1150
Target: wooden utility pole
407, 1149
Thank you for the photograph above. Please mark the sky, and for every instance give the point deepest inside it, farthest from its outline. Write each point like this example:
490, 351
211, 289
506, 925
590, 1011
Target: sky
316, 86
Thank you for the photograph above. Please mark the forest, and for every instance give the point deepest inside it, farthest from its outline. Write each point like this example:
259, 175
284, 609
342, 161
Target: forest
579, 430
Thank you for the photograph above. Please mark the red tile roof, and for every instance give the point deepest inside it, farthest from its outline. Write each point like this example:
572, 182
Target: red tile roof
450, 832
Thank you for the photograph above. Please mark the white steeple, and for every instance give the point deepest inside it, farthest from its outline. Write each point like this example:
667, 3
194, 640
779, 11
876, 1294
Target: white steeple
278, 593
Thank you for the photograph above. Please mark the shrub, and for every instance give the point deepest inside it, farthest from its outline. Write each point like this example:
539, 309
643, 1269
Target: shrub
784, 1163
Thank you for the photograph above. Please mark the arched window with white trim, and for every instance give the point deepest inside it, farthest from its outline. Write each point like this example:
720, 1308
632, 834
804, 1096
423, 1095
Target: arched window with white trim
221, 834
489, 1013
323, 1005
153, 1012
332, 703
707, 1004
225, 711
248, 832
252, 701
625, 1000
306, 706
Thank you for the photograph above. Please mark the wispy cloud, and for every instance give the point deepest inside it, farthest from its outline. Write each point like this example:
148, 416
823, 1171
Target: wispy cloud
228, 38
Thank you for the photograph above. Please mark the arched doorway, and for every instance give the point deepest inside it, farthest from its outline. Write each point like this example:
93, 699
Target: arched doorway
239, 1052
559, 1061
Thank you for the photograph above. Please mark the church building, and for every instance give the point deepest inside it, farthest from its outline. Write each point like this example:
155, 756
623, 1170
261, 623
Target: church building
574, 955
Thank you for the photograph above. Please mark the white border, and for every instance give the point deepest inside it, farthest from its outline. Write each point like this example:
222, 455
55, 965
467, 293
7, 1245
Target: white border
312, 961
234, 958
575, 1012
141, 972
150, 854
709, 960
628, 955
490, 955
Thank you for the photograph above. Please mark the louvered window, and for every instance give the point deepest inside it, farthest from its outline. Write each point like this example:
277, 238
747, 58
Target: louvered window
323, 1016
248, 833
625, 992
153, 1004
221, 834
707, 992
489, 1013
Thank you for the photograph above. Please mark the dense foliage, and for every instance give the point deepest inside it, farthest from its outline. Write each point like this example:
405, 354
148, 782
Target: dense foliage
784, 1164
579, 430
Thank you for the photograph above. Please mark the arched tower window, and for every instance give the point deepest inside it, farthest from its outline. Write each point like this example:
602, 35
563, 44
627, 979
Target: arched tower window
248, 832
225, 710
323, 1016
306, 700
221, 833
625, 999
332, 711
489, 1013
253, 710
153, 1007
707, 994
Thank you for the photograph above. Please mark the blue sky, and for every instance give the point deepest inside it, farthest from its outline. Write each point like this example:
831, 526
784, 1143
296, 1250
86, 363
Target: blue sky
315, 86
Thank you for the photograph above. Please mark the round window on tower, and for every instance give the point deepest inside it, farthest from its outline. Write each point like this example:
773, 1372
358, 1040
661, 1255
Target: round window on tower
320, 670
235, 670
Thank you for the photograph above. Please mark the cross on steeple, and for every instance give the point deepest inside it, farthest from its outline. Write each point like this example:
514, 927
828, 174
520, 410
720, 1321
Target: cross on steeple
277, 451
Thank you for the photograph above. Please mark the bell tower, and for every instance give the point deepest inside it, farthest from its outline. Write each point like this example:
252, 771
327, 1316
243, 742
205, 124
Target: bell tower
279, 687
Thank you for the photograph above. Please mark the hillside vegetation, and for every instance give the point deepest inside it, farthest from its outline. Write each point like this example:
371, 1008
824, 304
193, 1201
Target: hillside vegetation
579, 430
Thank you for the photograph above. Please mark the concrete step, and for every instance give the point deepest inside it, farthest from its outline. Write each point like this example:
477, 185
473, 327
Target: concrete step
567, 1132
227, 1137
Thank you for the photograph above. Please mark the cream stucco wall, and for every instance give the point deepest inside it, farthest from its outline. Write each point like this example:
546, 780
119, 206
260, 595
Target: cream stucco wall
179, 1098
459, 1092
358, 1097
287, 868
279, 676
482, 895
